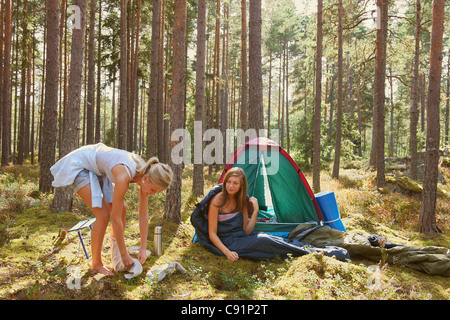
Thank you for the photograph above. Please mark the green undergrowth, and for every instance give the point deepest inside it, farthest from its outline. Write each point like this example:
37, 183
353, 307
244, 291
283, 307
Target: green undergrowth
36, 262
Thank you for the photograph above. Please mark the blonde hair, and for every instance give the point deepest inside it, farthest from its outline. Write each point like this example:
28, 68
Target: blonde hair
160, 174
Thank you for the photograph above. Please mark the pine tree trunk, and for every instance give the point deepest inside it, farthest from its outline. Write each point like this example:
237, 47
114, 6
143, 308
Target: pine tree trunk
414, 111
198, 184
6, 124
98, 100
447, 105
244, 57
330, 122
380, 69
173, 196
152, 126
269, 103
123, 104
90, 121
1, 63
217, 73
428, 210
164, 84
391, 121
24, 112
41, 111
255, 67
64, 196
358, 103
33, 104
160, 110
21, 122
422, 101
224, 92
130, 82
135, 79
49, 134
337, 150
26, 146
318, 101
288, 140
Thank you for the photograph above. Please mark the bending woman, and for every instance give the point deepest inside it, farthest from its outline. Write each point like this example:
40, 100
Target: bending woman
230, 222
91, 170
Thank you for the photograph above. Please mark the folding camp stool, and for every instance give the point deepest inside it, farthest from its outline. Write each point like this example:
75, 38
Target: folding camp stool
80, 226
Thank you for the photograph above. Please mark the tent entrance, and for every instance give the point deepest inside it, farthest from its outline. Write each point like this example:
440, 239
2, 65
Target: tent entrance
280, 187
259, 187
261, 190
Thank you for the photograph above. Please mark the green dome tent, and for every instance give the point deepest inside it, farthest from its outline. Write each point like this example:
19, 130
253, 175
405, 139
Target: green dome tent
284, 196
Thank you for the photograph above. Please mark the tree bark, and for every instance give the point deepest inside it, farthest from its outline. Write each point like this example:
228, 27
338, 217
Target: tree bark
6, 116
24, 111
428, 210
198, 184
162, 123
123, 104
135, 79
414, 111
173, 197
288, 140
49, 134
98, 100
244, 57
152, 132
318, 101
64, 196
380, 70
224, 91
1, 64
216, 97
337, 150
447, 105
255, 67
90, 121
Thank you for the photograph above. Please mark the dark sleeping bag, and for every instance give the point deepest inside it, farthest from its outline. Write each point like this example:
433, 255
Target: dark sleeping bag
256, 246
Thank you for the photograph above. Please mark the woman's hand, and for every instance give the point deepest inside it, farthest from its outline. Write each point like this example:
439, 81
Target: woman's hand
255, 205
232, 256
250, 215
142, 256
127, 261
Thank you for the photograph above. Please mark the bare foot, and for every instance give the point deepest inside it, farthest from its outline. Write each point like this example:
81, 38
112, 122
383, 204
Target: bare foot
103, 270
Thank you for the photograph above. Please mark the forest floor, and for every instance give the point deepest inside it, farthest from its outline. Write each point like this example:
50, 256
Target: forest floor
36, 264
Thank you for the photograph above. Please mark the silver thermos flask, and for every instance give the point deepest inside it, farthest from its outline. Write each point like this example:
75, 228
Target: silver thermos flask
158, 241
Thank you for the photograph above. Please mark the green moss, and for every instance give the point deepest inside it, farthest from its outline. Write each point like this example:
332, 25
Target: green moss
409, 185
446, 162
34, 261
405, 183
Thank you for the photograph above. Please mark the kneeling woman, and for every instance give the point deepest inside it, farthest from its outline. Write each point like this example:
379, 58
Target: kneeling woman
230, 227
92, 170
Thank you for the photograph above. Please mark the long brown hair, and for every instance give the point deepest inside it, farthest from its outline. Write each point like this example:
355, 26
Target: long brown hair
241, 196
